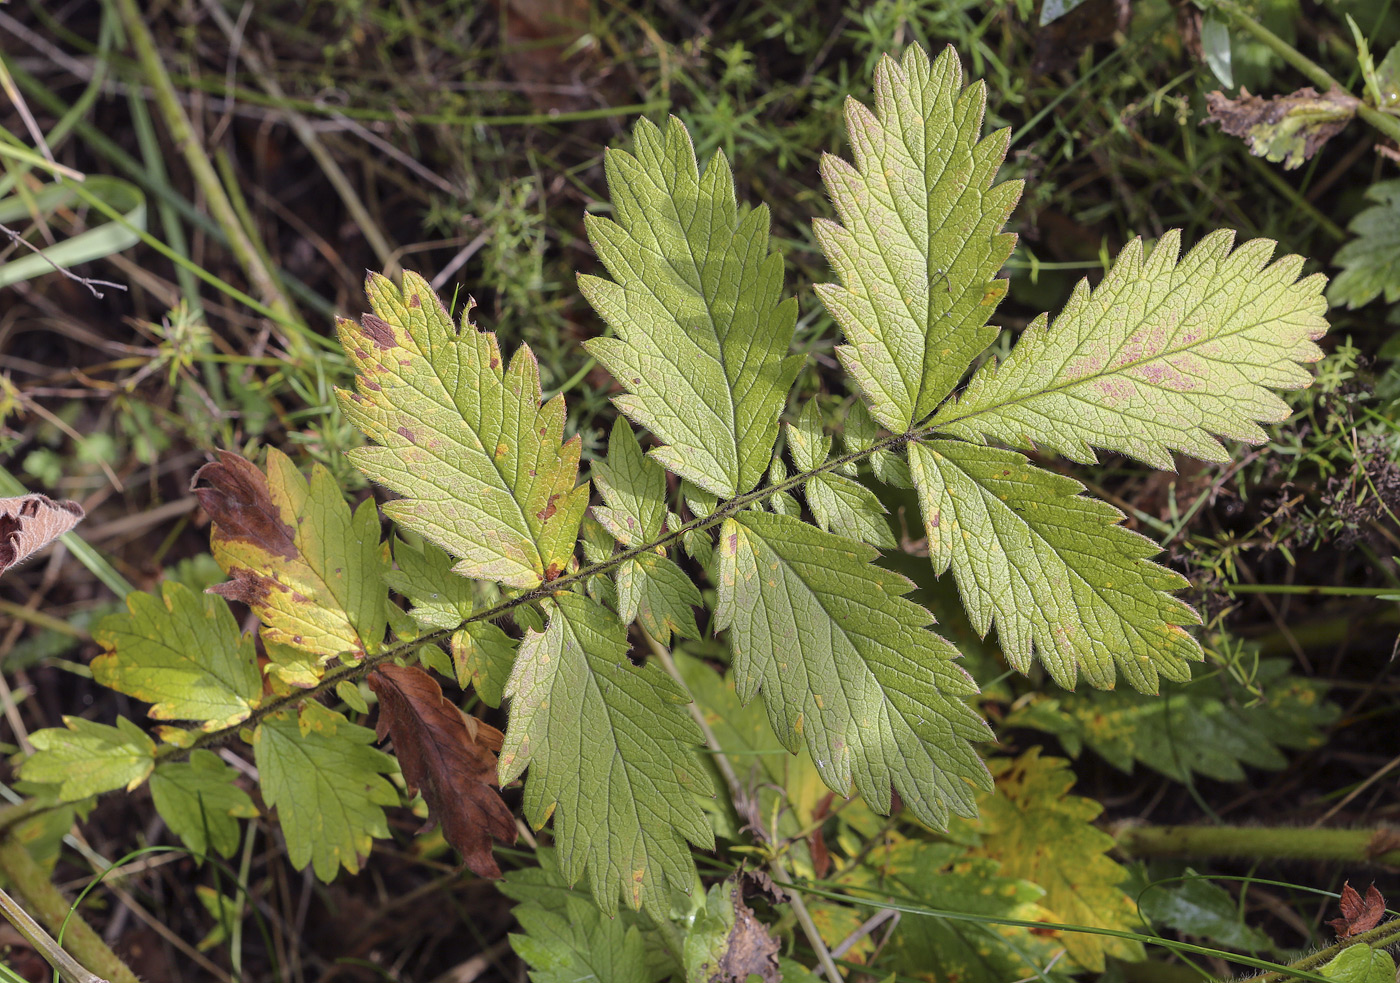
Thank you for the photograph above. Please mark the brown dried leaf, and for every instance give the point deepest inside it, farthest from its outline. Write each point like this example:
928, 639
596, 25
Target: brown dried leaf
1358, 915
749, 950
1289, 128
450, 757
30, 522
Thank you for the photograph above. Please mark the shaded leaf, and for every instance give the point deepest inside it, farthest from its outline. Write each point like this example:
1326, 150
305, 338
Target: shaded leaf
1289, 128
1160, 356
83, 758
1061, 578
726, 943
1201, 908
846, 665
200, 803
309, 569
919, 240
482, 655
633, 487
695, 301
424, 575
449, 757
479, 462
611, 753
327, 784
1209, 726
1041, 833
657, 594
1358, 914
1371, 262
183, 653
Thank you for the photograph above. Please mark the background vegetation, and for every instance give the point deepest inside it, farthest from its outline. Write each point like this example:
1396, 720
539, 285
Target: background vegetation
246, 164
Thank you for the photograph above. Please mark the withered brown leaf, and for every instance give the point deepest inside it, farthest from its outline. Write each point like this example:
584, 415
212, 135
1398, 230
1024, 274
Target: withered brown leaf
28, 523
1288, 128
450, 757
1358, 915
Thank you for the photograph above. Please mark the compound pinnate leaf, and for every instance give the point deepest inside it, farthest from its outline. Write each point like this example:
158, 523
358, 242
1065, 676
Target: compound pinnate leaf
633, 487
696, 303
311, 570
1371, 262
327, 784
464, 439
200, 803
423, 574
183, 653
1041, 833
612, 755
1054, 569
920, 238
839, 504
84, 758
1162, 355
845, 664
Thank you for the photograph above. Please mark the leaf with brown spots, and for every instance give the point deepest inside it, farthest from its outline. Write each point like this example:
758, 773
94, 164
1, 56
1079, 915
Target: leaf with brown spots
480, 463
1358, 914
311, 570
450, 758
1288, 128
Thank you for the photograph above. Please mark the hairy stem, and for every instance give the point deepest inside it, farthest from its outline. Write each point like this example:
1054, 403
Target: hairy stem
33, 888
1380, 937
1358, 846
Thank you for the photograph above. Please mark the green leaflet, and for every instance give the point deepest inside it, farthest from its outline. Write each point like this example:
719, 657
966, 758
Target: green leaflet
1194, 904
199, 802
1041, 833
1160, 356
611, 755
441, 599
463, 439
920, 237
846, 665
183, 653
1360, 964
657, 594
1371, 262
84, 758
482, 655
567, 939
1053, 568
1210, 726
633, 487
327, 784
696, 304
839, 504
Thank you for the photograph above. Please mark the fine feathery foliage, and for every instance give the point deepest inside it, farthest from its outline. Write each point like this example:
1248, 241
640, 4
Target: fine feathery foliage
1166, 354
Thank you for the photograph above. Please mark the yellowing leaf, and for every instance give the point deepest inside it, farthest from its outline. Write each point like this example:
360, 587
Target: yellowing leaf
1042, 834
696, 304
84, 758
920, 238
611, 755
183, 653
327, 785
462, 438
1160, 356
200, 803
309, 569
1053, 568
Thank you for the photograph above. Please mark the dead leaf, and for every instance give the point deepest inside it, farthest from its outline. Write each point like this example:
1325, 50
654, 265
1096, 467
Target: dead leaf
1059, 43
1288, 128
238, 500
1358, 915
816, 842
450, 757
30, 522
750, 948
